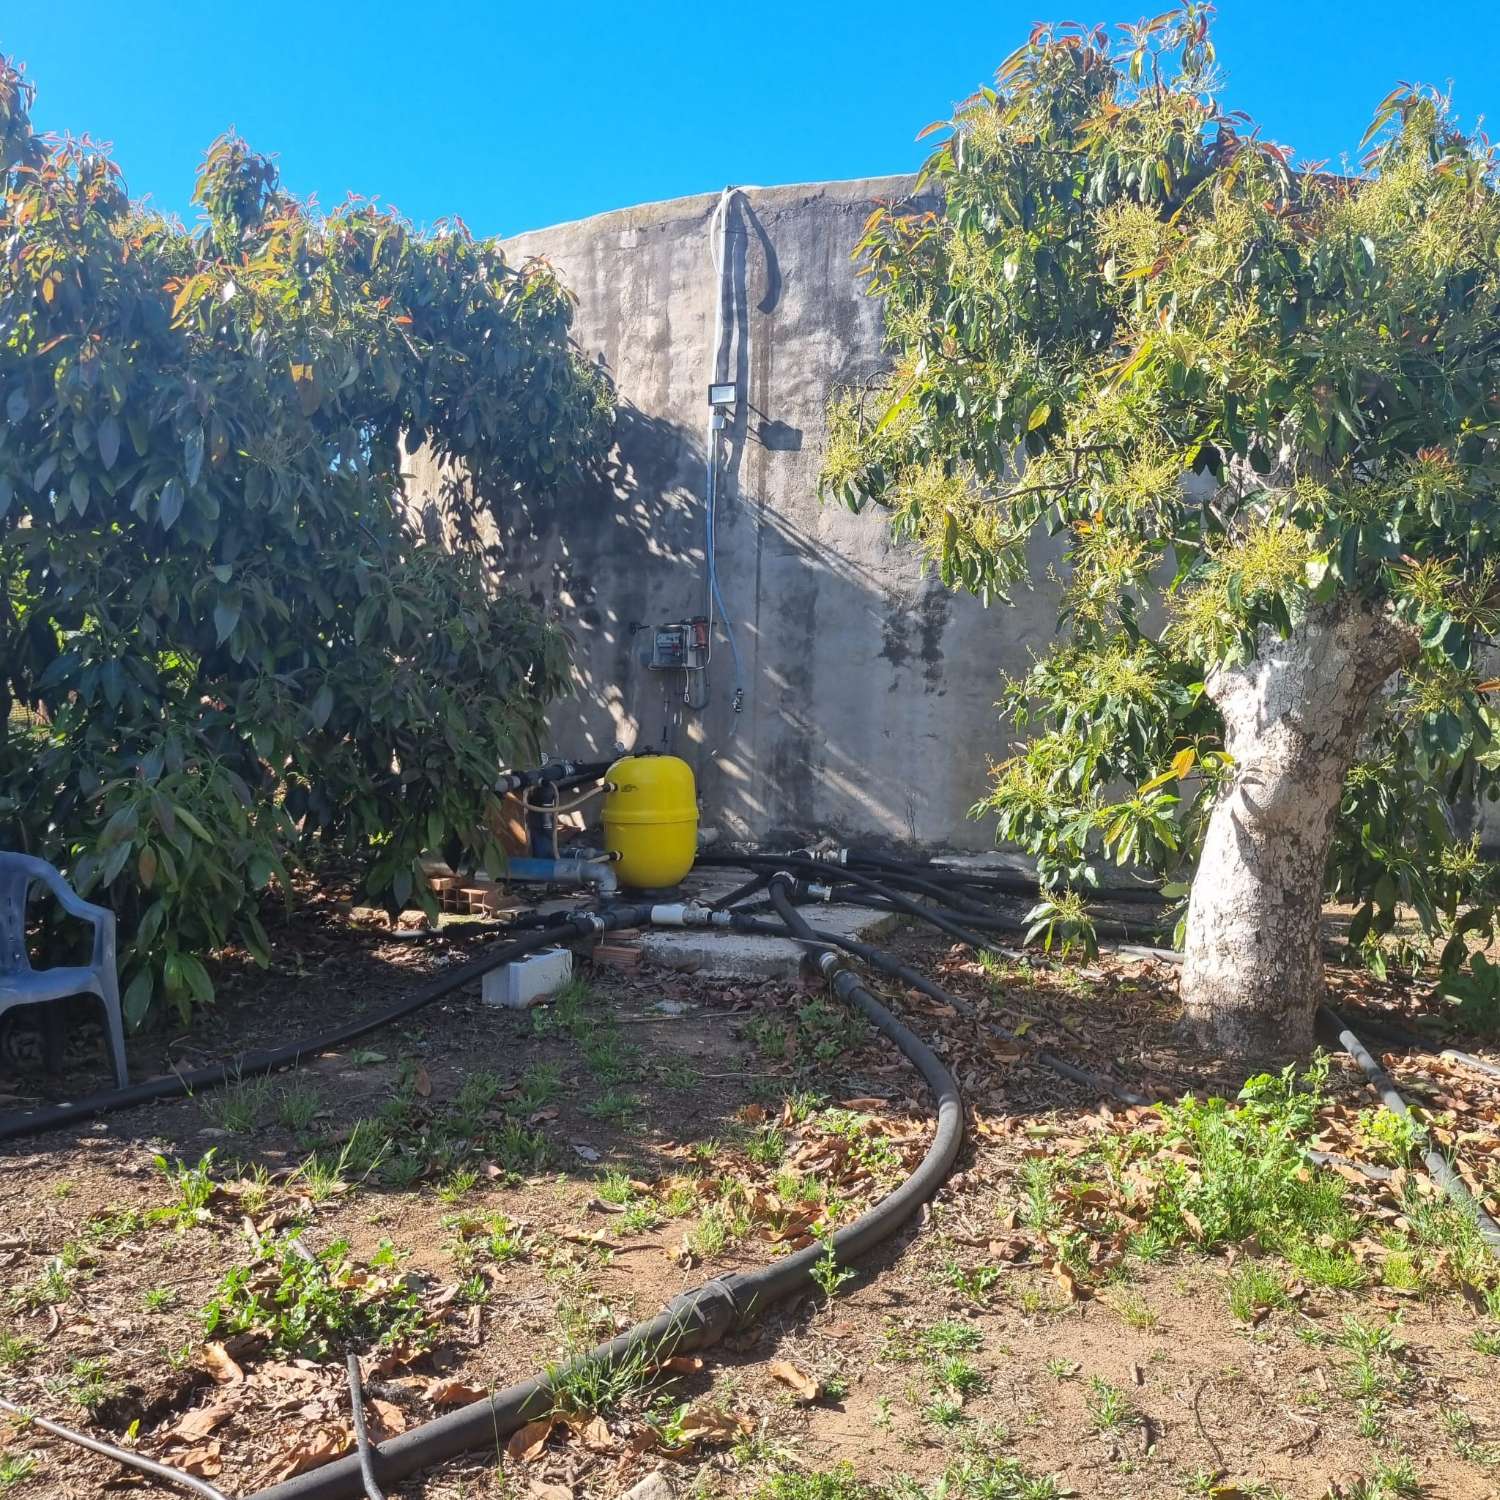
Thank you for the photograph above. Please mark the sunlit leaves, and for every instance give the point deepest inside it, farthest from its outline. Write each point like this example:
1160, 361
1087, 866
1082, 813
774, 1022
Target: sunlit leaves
236, 647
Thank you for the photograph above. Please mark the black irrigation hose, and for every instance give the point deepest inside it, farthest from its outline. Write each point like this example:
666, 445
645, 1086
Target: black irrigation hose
811, 869
162, 1473
1414, 1041
1005, 882
1439, 1168
361, 1437
216, 1075
697, 1319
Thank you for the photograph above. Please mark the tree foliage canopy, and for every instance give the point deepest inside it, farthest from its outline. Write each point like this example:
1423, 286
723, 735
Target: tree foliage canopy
222, 641
1243, 391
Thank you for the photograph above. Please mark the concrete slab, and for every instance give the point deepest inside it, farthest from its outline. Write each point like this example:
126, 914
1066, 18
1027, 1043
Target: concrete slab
740, 955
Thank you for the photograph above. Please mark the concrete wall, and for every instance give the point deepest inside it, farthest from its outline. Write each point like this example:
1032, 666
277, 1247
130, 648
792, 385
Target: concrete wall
868, 711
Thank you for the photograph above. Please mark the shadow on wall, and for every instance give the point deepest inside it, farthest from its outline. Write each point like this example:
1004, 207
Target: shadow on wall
869, 688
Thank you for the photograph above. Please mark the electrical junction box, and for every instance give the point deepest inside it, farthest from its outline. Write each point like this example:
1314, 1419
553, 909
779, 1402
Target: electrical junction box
524, 981
680, 645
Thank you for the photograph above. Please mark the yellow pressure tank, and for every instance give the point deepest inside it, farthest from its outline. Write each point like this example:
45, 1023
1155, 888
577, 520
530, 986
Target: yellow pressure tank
651, 820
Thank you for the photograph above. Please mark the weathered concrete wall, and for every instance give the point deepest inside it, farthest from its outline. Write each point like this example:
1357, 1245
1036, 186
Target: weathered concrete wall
868, 710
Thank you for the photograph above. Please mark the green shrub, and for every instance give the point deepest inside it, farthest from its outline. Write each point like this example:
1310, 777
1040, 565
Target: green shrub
229, 642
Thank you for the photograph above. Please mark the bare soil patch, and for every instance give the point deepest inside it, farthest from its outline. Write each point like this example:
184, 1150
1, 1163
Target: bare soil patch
483, 1192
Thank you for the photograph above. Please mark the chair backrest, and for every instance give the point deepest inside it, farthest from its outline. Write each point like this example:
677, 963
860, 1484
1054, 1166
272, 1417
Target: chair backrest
14, 881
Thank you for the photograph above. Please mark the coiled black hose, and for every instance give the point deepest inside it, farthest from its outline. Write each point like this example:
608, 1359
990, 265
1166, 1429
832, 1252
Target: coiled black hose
695, 1320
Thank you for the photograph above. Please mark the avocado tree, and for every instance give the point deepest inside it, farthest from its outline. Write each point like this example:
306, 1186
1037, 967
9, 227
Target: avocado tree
1256, 400
224, 646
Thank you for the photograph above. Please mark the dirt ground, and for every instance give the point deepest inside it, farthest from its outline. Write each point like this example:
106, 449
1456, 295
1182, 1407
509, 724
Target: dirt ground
484, 1192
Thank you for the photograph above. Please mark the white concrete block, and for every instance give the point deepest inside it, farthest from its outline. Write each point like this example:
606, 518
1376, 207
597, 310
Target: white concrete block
527, 980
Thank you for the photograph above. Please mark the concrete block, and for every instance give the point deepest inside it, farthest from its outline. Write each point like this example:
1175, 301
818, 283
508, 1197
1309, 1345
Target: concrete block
527, 980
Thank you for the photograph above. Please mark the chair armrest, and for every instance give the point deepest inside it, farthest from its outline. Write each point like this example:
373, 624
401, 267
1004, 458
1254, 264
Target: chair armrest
70, 901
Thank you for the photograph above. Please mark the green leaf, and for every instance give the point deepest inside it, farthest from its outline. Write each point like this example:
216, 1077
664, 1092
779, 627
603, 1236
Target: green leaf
226, 616
137, 998
170, 505
322, 706
109, 441
192, 455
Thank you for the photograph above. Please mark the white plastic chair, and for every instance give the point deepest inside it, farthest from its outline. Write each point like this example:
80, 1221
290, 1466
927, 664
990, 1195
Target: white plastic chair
20, 984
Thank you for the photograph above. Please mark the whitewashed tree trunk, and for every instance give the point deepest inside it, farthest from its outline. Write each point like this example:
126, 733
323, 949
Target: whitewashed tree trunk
1252, 975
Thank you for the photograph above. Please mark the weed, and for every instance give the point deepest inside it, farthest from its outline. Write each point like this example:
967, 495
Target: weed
959, 1374
14, 1467
608, 1058
1134, 1311
766, 1146
588, 1387
107, 1228
949, 1337
1254, 1290
640, 1217
297, 1107
944, 1408
323, 1176
1062, 1369
711, 1234
990, 1478
540, 1085
1464, 1435
828, 1274
1389, 1137
52, 1287
518, 1150
90, 1385
617, 1187
159, 1298
15, 1351
1108, 1406
678, 1074
565, 1013
613, 1106
238, 1107
1485, 1341
308, 1302
975, 1283
194, 1188
826, 1484
458, 1184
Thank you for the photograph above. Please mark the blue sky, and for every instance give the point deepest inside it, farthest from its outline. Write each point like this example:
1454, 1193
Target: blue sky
520, 116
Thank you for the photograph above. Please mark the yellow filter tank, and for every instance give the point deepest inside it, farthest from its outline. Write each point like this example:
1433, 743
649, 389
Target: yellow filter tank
651, 820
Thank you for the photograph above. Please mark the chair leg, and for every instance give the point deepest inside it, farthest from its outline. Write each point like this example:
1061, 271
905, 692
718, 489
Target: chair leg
115, 1028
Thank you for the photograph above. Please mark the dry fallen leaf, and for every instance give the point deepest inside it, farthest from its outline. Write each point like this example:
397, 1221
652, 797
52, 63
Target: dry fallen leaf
197, 1425
541, 1491
204, 1461
1069, 1282
389, 1419
454, 1393
215, 1359
711, 1424
529, 1441
684, 1364
315, 1447
422, 1083
801, 1382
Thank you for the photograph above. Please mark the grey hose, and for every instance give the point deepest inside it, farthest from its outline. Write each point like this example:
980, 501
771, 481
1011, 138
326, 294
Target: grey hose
162, 1473
1439, 1168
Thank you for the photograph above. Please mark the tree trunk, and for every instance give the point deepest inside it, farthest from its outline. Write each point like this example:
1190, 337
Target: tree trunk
1252, 976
